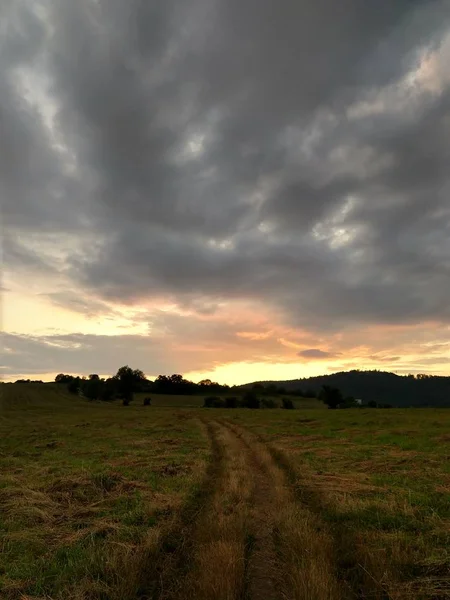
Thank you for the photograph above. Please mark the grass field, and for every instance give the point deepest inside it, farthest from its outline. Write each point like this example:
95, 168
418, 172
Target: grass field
104, 502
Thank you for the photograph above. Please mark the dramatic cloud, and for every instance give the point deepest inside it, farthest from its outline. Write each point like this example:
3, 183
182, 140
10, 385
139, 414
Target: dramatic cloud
205, 155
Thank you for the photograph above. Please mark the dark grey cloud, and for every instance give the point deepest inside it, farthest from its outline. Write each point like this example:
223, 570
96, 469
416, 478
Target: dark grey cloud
207, 151
76, 353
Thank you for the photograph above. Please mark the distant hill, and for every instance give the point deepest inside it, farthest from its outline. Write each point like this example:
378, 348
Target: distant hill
381, 386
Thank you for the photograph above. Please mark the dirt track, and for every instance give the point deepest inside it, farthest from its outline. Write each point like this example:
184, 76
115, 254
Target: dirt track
247, 536
261, 561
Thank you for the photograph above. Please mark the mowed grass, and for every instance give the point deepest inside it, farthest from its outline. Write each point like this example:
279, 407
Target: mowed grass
87, 491
94, 498
380, 482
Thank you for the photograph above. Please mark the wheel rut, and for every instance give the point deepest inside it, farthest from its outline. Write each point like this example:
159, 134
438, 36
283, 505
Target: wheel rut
228, 551
245, 536
292, 555
327, 563
165, 565
262, 568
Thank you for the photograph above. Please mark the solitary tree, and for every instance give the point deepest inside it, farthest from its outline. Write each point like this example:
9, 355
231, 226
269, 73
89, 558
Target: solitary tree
331, 396
128, 381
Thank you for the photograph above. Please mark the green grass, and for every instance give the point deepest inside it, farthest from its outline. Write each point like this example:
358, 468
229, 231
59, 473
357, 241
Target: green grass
82, 487
88, 490
380, 479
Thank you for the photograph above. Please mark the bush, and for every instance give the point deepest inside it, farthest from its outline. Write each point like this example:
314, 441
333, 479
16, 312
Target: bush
250, 400
268, 403
288, 404
349, 402
73, 386
107, 394
231, 402
213, 402
147, 401
372, 404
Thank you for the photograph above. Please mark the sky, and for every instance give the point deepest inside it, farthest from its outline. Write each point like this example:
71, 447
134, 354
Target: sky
235, 189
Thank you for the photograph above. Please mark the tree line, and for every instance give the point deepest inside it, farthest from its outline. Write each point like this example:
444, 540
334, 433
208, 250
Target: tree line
127, 381
377, 387
330, 396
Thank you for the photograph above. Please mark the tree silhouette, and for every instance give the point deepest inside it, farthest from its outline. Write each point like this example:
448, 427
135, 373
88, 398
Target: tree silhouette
128, 381
62, 378
331, 396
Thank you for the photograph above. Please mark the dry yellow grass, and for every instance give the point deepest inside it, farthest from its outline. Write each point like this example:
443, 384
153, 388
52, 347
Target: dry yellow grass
102, 502
217, 569
304, 568
379, 489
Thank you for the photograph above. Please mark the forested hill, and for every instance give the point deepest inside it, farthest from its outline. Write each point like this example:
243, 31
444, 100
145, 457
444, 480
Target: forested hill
381, 386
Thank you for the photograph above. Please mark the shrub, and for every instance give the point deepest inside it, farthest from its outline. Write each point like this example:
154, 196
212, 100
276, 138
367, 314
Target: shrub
372, 404
213, 402
231, 402
147, 401
107, 394
288, 404
349, 402
250, 400
268, 403
73, 386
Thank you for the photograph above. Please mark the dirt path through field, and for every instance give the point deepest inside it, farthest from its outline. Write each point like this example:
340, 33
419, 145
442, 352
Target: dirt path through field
248, 538
234, 554
317, 562
292, 555
262, 570
224, 547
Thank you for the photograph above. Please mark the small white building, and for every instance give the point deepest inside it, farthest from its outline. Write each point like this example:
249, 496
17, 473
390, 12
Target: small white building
358, 401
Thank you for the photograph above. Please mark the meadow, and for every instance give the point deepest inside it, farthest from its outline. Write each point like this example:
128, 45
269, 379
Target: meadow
105, 502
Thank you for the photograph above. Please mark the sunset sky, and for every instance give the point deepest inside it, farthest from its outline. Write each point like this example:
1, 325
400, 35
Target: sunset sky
235, 189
